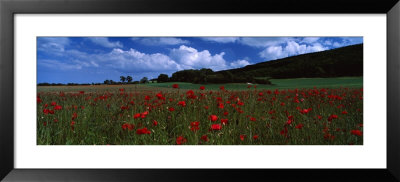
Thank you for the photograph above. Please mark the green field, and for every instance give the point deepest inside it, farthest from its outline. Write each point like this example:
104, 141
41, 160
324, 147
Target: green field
349, 82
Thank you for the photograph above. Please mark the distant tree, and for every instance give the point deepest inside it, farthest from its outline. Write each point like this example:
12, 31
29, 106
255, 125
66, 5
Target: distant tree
122, 78
144, 80
107, 82
162, 78
129, 79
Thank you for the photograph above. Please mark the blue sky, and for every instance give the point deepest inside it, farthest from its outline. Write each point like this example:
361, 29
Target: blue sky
95, 59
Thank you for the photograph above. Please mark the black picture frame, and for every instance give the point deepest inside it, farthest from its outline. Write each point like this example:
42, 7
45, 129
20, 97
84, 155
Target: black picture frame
8, 8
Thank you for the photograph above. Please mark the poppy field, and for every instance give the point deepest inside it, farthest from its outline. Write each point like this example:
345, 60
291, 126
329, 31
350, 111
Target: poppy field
251, 115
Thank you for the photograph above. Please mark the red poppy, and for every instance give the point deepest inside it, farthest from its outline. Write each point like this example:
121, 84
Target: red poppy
128, 126
253, 119
206, 107
190, 92
220, 105
137, 115
175, 86
72, 123
74, 116
305, 111
331, 117
242, 137
299, 126
224, 121
121, 89
344, 112
204, 138
57, 107
39, 100
45, 123
180, 140
159, 95
194, 126
216, 127
202, 88
81, 92
226, 113
53, 103
260, 94
222, 88
171, 109
143, 131
356, 132
182, 103
255, 137
213, 118
155, 123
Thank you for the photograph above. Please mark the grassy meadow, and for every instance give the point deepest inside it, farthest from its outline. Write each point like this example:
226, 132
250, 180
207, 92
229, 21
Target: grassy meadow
303, 111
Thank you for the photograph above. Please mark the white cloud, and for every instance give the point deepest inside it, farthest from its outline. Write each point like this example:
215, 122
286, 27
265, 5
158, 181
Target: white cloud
133, 60
156, 41
239, 64
260, 42
105, 42
221, 39
52, 45
191, 58
292, 48
310, 40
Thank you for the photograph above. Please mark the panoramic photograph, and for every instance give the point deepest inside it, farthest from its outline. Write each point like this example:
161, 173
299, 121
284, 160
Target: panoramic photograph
199, 91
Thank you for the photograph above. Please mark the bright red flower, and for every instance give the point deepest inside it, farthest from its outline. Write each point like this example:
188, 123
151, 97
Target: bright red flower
53, 103
224, 121
143, 131
331, 117
190, 92
175, 86
242, 137
72, 123
356, 132
121, 89
57, 107
213, 118
180, 140
226, 113
137, 115
128, 126
255, 137
204, 138
159, 95
344, 112
202, 88
220, 105
305, 111
253, 119
299, 126
206, 107
182, 103
222, 88
155, 123
260, 94
216, 127
171, 109
39, 100
81, 92
194, 126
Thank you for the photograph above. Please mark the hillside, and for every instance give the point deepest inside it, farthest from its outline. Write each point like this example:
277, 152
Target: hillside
344, 61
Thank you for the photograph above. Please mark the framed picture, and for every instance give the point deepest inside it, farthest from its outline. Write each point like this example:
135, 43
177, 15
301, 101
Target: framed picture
152, 90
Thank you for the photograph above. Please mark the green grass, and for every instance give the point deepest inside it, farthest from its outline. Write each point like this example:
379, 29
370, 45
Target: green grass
349, 82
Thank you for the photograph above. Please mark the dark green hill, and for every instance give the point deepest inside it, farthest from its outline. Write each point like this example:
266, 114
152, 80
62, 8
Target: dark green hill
344, 61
